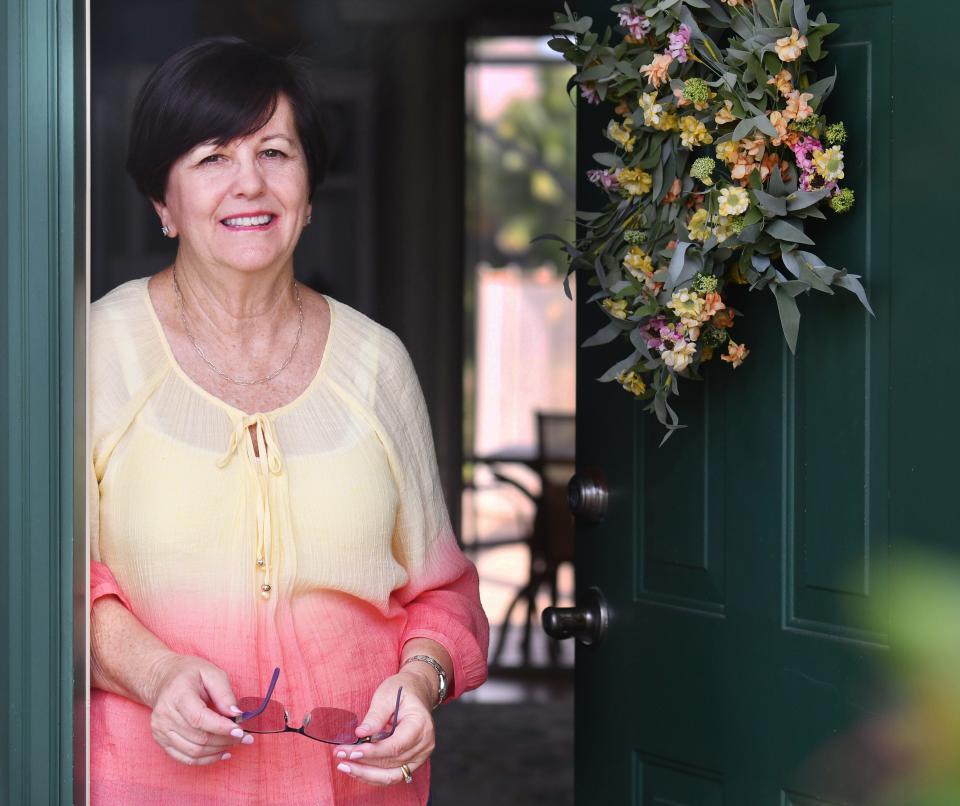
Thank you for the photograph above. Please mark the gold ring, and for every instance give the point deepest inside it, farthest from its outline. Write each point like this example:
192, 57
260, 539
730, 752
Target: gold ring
407, 775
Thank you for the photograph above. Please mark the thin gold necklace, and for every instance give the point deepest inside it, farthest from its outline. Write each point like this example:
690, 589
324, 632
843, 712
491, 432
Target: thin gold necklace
214, 367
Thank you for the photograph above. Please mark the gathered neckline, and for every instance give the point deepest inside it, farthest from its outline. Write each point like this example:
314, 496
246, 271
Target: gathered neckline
212, 398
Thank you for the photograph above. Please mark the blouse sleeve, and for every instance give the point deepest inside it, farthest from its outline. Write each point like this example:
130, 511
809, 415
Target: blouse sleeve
102, 581
441, 595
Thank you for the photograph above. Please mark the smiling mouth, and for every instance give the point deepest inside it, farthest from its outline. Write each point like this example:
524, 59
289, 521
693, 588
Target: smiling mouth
249, 222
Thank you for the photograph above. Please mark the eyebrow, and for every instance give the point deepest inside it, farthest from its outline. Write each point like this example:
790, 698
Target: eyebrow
276, 137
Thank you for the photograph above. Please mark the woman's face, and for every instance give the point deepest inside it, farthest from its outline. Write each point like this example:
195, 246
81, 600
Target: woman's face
242, 205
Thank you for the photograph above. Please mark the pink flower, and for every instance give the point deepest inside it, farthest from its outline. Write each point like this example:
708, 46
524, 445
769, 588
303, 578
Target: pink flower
605, 179
678, 43
638, 24
588, 89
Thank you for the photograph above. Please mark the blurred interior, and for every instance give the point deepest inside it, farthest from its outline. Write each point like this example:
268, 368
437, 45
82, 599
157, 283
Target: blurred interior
452, 139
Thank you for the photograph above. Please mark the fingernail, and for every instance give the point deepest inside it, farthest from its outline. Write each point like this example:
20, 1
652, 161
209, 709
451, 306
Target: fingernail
248, 739
341, 754
237, 733
225, 756
355, 755
343, 768
235, 710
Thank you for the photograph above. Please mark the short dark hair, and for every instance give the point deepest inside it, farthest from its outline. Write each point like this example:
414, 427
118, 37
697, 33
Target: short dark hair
219, 89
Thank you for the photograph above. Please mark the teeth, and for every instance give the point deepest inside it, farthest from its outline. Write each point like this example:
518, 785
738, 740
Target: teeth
248, 221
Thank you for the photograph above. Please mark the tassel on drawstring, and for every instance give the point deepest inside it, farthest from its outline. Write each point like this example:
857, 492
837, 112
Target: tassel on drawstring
260, 462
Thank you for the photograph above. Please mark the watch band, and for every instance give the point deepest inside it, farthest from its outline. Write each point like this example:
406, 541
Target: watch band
441, 672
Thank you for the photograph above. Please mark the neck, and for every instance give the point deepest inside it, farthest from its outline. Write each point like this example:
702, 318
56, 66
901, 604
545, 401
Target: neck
234, 303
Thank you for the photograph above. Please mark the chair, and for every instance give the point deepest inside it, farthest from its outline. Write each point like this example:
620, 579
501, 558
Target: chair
551, 540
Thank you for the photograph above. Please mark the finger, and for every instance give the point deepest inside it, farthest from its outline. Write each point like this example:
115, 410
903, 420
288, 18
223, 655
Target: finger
221, 695
197, 716
378, 776
381, 711
410, 739
189, 761
194, 750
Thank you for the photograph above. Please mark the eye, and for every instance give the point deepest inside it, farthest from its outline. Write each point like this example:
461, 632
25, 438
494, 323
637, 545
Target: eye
211, 159
273, 153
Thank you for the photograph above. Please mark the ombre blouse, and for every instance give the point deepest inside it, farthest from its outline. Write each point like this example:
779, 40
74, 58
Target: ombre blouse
322, 551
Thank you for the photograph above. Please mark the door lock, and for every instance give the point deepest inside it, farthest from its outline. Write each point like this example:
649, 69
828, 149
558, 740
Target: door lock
587, 496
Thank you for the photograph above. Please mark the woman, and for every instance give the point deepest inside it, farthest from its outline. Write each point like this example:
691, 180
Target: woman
264, 485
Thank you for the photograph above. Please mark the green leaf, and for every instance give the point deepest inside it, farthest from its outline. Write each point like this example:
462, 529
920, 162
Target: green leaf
789, 314
676, 265
784, 231
620, 366
608, 159
852, 283
772, 206
763, 123
597, 71
805, 198
743, 128
800, 16
604, 335
784, 16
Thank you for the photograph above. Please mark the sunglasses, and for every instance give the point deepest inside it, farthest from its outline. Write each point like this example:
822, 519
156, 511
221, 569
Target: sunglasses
330, 725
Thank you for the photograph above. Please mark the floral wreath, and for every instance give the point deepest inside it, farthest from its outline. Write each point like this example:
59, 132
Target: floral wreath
721, 155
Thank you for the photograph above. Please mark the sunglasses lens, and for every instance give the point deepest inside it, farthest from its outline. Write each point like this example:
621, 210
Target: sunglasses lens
331, 725
270, 721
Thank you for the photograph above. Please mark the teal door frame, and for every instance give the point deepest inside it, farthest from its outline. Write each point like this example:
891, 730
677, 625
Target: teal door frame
43, 298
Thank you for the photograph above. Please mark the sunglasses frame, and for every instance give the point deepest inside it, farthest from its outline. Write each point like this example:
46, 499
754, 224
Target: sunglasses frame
375, 737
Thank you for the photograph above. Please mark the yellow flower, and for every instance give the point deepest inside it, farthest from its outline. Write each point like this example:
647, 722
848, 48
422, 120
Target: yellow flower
656, 71
725, 115
651, 109
790, 47
784, 82
727, 150
733, 201
621, 134
687, 305
693, 133
736, 354
634, 180
699, 225
632, 382
668, 122
616, 307
638, 263
722, 228
829, 163
680, 357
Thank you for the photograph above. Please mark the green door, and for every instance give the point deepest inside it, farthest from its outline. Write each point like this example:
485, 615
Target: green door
743, 561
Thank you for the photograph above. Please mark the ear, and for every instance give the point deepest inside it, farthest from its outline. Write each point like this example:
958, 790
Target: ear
163, 212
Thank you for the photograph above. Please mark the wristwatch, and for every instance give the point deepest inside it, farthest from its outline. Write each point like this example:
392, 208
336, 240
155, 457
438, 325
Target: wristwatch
442, 694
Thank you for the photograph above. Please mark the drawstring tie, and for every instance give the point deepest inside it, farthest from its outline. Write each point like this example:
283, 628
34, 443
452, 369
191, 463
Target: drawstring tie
261, 461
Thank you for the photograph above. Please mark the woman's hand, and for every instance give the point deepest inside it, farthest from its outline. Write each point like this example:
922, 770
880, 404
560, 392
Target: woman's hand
191, 698
412, 742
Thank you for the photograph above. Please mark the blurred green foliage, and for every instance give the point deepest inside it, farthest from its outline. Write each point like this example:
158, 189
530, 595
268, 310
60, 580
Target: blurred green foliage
520, 176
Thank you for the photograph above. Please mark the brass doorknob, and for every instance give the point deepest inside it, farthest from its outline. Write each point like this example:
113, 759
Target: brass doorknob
587, 496
587, 622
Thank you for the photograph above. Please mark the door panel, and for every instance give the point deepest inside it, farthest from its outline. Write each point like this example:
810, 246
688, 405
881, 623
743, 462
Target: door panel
745, 560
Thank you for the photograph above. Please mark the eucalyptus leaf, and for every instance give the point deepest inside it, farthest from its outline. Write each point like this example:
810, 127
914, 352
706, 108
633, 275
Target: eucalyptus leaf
608, 159
604, 335
800, 16
805, 198
676, 265
786, 231
620, 366
789, 315
772, 206
852, 283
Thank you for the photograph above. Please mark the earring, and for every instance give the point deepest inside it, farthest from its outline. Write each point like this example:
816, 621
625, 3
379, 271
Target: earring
165, 230
309, 217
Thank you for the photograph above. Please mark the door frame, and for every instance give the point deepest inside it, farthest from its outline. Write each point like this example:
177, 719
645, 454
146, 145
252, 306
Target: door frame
44, 268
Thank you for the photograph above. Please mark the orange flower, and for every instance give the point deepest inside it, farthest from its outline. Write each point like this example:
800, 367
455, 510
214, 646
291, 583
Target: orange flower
622, 109
712, 305
790, 47
724, 318
656, 71
674, 193
784, 82
780, 124
797, 106
736, 354
725, 115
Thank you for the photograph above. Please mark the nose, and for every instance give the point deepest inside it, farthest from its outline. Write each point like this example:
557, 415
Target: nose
248, 180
